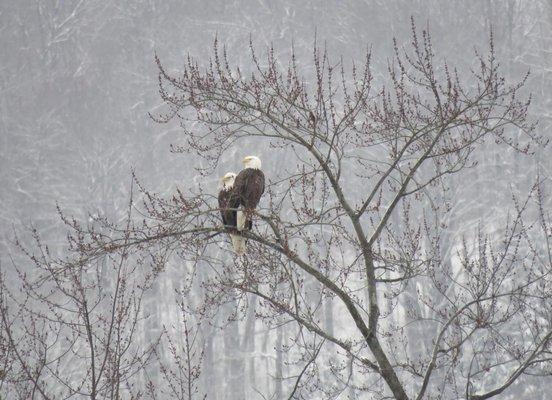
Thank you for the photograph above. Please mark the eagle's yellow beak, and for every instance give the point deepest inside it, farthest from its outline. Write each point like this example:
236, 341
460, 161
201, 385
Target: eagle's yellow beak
246, 159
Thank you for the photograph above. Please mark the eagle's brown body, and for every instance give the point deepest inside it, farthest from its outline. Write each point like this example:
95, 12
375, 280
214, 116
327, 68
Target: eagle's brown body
228, 215
246, 194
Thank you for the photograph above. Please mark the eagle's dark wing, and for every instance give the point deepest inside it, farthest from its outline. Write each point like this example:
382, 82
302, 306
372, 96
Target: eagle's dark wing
228, 216
248, 188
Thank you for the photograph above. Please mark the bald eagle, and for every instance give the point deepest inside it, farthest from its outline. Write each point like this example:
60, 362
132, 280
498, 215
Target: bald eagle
228, 214
248, 188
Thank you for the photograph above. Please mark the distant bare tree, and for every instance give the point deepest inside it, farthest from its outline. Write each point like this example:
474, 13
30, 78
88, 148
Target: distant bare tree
179, 375
355, 218
70, 326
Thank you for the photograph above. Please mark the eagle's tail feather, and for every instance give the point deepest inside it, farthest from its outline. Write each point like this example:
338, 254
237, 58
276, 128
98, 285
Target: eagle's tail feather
238, 243
240, 220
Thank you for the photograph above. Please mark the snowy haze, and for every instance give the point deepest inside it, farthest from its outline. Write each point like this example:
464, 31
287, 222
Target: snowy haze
78, 78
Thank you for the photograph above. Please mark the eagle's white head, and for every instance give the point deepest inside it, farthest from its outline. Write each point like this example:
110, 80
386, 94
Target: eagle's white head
227, 181
252, 162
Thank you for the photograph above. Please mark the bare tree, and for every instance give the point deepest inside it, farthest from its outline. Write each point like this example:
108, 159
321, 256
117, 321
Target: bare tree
357, 215
399, 143
70, 326
179, 375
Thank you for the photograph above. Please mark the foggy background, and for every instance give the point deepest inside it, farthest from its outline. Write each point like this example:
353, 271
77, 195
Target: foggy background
78, 78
